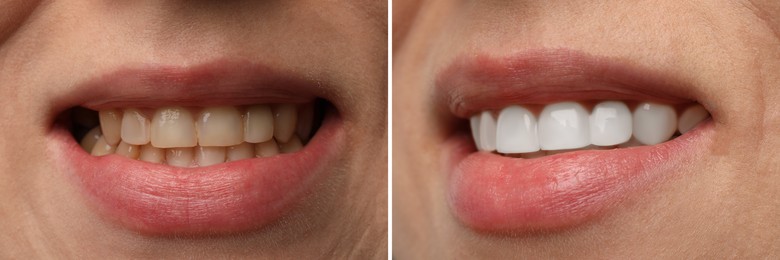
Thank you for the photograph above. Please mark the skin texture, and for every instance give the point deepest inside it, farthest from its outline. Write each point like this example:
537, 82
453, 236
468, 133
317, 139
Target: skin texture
46, 47
722, 204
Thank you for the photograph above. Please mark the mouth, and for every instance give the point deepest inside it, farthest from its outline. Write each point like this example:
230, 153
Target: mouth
220, 147
550, 139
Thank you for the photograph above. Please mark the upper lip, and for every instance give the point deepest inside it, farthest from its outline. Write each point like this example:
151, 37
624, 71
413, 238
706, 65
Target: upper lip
230, 197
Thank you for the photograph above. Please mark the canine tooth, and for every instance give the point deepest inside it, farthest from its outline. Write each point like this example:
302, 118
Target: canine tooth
89, 140
173, 127
563, 126
128, 150
239, 152
266, 149
692, 116
610, 123
487, 132
475, 123
110, 125
285, 116
654, 123
220, 126
102, 147
516, 131
179, 157
305, 121
135, 127
259, 124
291, 146
151, 154
206, 156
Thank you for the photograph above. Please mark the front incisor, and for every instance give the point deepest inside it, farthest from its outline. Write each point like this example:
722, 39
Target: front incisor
220, 126
173, 127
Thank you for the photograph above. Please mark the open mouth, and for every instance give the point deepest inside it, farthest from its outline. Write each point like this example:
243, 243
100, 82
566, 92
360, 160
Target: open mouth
557, 136
215, 148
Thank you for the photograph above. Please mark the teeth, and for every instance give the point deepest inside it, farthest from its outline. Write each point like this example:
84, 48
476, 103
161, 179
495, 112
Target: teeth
135, 127
267, 149
563, 126
240, 152
179, 157
151, 154
305, 121
102, 147
610, 124
654, 123
110, 125
516, 131
128, 150
691, 117
284, 122
487, 132
259, 125
173, 127
220, 126
475, 125
89, 140
207, 156
291, 146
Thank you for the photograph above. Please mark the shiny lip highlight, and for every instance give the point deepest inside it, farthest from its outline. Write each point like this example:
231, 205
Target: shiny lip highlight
238, 196
495, 194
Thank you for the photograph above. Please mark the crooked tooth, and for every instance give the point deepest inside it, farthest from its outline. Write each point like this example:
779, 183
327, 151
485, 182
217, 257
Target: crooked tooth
305, 121
654, 123
179, 157
102, 147
259, 124
173, 127
291, 146
151, 154
89, 140
516, 131
285, 116
110, 125
487, 132
563, 126
240, 152
266, 149
692, 116
220, 126
206, 156
128, 150
610, 124
135, 127
475, 124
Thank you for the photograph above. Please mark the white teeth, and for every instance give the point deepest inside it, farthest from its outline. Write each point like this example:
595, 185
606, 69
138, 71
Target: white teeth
475, 125
516, 131
179, 157
692, 116
102, 147
291, 146
654, 123
128, 150
610, 124
206, 156
173, 127
89, 140
267, 149
563, 126
259, 125
487, 132
151, 154
285, 117
220, 126
305, 121
110, 124
135, 127
240, 152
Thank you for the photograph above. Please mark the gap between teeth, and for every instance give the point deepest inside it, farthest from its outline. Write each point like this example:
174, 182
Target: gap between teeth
192, 137
561, 127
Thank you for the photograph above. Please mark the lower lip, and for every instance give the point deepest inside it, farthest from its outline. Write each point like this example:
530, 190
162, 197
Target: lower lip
496, 194
231, 197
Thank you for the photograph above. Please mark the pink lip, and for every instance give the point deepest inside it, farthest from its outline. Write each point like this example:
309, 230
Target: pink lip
231, 197
492, 193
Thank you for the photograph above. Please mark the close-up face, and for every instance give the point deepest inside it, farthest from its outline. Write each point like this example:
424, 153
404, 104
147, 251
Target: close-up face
193, 129
586, 129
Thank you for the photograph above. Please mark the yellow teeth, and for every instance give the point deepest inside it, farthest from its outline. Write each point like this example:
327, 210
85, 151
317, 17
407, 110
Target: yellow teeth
173, 127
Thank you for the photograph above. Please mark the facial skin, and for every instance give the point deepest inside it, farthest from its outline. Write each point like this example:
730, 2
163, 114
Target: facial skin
722, 203
48, 47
